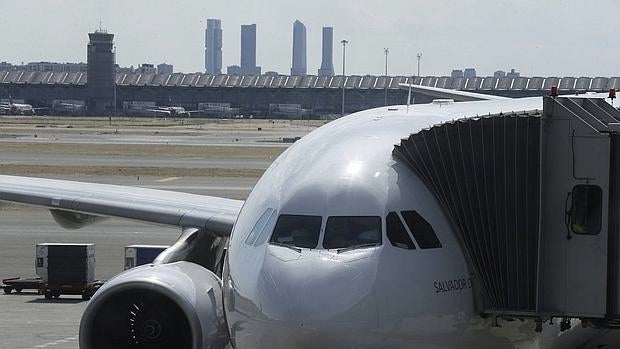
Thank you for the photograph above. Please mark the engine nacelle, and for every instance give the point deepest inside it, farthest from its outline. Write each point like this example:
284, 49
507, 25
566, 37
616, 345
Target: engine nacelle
177, 305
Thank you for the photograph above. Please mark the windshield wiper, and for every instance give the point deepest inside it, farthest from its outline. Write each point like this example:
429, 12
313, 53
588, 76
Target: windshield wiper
354, 247
296, 249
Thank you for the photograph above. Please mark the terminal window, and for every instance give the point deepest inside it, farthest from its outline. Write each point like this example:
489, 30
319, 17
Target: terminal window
586, 213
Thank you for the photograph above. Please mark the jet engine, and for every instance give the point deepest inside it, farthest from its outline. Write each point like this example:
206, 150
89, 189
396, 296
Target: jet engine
177, 305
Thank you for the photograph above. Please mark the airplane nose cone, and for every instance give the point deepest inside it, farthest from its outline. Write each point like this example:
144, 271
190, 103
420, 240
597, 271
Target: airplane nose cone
319, 288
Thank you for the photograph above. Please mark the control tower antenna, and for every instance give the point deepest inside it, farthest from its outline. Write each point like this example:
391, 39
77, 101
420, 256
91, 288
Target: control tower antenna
101, 29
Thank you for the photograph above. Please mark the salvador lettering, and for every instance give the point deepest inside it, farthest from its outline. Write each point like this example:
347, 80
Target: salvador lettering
452, 285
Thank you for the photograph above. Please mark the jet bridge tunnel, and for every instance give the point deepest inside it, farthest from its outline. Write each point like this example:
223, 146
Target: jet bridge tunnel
534, 197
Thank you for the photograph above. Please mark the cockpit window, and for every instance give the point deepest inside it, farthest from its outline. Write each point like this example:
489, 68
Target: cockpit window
421, 230
396, 232
258, 227
297, 230
345, 232
267, 228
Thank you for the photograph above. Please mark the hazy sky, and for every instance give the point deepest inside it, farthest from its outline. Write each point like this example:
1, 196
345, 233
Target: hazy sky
537, 37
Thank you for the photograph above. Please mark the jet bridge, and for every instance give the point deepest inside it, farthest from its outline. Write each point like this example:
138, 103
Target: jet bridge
535, 200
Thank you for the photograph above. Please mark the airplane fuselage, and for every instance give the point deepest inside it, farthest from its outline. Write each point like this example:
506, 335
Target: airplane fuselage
310, 294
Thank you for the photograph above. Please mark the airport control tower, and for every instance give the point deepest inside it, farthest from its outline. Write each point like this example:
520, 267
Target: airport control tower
101, 76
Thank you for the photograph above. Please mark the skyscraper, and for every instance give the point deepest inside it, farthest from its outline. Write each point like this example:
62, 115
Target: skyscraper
213, 46
248, 50
327, 63
299, 49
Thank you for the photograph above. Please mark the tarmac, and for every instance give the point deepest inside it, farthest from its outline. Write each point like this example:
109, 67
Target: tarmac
27, 319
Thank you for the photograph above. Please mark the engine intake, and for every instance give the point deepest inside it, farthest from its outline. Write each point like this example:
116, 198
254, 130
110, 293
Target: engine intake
176, 305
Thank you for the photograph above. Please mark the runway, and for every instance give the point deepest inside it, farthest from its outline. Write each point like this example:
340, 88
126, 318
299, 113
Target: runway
73, 160
30, 321
192, 132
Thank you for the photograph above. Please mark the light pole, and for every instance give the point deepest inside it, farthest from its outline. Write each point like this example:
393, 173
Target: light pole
387, 52
344, 55
419, 55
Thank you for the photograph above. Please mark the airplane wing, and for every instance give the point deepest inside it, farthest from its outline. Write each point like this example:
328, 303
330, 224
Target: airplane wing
456, 95
216, 215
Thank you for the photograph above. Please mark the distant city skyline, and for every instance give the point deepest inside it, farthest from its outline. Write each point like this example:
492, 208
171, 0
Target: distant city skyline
536, 38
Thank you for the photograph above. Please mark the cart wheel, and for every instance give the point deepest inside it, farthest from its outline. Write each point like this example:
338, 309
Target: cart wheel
48, 295
18, 290
8, 290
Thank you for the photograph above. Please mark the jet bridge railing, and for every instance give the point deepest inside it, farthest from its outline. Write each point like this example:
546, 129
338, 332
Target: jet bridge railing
533, 197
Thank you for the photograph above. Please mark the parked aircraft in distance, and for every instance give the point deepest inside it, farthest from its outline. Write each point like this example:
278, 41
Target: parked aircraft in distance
11, 108
339, 245
173, 111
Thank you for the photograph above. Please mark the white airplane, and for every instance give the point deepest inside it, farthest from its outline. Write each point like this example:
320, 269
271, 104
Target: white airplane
11, 108
173, 111
326, 252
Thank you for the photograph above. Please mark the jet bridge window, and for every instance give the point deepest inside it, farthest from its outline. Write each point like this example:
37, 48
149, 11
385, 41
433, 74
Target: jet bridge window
421, 230
586, 213
396, 232
346, 232
297, 230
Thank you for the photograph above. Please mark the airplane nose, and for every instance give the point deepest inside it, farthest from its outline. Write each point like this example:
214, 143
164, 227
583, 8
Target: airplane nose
319, 288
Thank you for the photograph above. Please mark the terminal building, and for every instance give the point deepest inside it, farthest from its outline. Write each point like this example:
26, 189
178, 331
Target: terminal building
104, 89
253, 94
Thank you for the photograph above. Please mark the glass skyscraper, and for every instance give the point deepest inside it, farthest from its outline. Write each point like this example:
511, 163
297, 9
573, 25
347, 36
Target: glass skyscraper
299, 49
327, 62
213, 46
